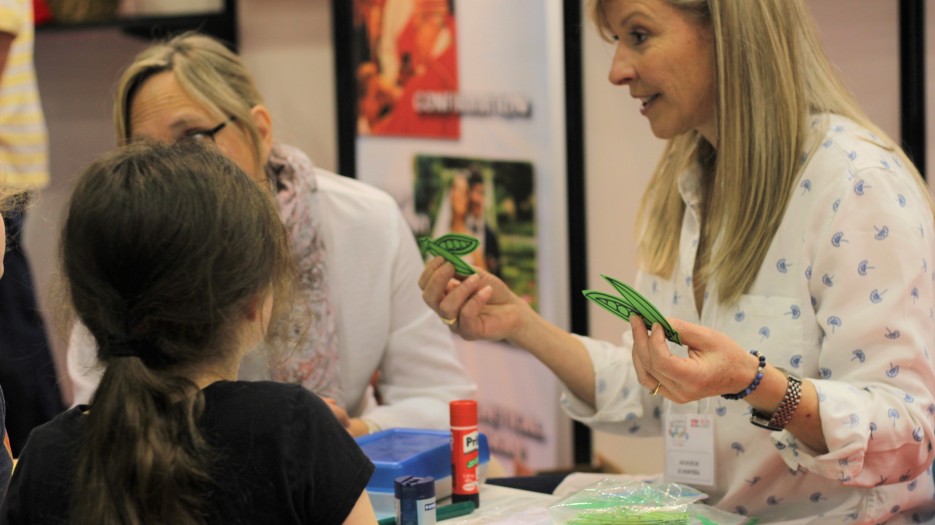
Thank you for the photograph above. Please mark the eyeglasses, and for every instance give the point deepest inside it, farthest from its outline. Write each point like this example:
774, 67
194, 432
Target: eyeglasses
208, 134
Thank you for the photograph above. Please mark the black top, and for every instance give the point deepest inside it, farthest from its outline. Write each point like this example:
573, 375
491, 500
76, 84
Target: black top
284, 458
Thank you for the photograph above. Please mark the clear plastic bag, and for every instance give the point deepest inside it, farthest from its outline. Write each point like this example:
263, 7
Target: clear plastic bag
612, 502
640, 501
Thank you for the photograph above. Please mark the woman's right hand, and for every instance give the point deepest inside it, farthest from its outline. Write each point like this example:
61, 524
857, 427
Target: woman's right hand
482, 305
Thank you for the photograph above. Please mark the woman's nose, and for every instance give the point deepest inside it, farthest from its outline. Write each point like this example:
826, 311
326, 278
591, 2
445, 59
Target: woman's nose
622, 70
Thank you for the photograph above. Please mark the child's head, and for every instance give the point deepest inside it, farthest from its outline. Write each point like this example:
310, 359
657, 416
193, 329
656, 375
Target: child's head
164, 246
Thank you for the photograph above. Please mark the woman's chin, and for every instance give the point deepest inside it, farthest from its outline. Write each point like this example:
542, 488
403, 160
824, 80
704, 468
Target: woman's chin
662, 133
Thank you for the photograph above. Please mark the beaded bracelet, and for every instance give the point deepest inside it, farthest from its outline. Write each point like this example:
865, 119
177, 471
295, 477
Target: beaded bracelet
756, 379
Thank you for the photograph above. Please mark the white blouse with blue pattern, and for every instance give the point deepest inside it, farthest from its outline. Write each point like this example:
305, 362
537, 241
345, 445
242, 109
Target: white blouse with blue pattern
845, 298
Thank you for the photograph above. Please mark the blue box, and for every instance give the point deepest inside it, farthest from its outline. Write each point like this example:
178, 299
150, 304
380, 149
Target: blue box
412, 452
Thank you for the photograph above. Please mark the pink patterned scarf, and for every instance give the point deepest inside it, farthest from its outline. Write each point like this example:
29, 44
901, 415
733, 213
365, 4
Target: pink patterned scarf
310, 329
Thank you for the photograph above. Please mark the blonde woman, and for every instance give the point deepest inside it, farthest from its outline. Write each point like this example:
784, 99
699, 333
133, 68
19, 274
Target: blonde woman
788, 241
358, 260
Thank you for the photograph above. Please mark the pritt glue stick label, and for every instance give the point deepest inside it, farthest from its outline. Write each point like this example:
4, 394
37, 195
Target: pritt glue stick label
464, 458
465, 452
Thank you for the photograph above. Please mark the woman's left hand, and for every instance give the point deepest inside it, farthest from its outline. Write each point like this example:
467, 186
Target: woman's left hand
715, 364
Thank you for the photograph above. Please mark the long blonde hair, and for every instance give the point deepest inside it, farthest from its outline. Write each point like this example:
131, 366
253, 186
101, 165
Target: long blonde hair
772, 78
207, 71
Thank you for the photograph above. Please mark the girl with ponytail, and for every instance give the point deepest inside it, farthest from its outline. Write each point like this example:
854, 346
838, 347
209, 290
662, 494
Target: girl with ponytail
175, 260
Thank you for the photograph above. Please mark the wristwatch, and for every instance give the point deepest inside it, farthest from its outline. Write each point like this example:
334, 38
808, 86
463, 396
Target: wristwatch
783, 414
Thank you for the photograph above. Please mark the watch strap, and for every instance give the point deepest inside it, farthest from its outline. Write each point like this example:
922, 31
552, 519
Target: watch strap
783, 414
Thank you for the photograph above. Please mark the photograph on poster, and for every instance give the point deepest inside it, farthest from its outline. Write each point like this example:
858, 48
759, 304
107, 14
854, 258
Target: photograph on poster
491, 200
404, 51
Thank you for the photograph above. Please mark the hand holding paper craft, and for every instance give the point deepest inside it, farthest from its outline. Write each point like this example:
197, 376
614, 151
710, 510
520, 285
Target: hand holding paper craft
631, 303
451, 246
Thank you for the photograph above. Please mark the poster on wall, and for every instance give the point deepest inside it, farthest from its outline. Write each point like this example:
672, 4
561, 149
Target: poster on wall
404, 54
458, 111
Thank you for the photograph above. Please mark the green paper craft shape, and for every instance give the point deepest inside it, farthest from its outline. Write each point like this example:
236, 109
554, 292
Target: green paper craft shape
451, 246
631, 302
624, 516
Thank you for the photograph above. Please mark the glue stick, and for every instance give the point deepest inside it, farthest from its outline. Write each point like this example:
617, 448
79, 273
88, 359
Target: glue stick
465, 452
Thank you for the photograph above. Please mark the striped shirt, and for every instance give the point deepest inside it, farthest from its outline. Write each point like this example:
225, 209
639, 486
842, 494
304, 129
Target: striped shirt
24, 161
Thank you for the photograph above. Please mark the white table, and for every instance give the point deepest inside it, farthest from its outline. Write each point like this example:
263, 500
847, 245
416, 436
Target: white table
507, 505
497, 505
504, 505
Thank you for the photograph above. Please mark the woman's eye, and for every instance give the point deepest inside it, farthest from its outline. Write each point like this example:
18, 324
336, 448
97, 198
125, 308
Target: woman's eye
638, 37
197, 134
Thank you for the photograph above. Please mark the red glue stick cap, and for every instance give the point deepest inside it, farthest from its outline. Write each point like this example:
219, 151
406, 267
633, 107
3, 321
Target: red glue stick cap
463, 413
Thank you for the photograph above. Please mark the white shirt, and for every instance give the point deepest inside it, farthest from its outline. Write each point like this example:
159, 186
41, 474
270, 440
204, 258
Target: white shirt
844, 298
383, 323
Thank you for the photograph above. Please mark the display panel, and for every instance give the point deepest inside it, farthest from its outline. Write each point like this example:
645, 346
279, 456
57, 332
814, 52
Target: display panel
439, 98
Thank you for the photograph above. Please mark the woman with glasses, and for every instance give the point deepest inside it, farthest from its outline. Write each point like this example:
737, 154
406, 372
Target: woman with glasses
358, 260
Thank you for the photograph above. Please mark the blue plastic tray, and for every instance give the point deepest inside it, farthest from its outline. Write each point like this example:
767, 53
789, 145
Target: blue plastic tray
411, 452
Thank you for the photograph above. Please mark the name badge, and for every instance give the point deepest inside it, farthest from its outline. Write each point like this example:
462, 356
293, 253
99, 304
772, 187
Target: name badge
689, 449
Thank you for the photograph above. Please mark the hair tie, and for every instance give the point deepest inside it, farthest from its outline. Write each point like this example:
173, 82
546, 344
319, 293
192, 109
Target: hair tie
142, 348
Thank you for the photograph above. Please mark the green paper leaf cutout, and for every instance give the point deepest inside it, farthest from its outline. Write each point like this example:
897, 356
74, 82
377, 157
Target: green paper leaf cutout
625, 516
430, 247
424, 243
646, 309
457, 243
633, 302
612, 304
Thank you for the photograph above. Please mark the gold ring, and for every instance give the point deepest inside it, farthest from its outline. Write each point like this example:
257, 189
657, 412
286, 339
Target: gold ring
449, 322
656, 390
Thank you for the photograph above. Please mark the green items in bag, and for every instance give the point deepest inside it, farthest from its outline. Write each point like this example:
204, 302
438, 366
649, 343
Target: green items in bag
615, 502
